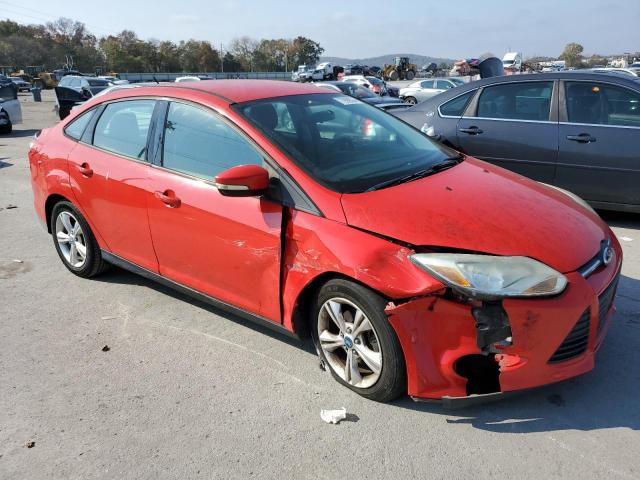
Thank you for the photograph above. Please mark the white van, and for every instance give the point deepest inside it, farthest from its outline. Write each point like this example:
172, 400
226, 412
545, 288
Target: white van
10, 110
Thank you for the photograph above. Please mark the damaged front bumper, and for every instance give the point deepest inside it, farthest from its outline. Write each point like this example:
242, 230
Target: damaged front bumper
461, 354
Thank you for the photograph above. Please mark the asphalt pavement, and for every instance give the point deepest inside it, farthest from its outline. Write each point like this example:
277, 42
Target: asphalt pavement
120, 378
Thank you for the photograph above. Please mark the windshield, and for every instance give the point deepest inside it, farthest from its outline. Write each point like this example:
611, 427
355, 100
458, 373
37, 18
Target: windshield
457, 81
344, 144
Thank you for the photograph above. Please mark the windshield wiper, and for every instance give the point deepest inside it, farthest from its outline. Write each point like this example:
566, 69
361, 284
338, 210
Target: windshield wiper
438, 167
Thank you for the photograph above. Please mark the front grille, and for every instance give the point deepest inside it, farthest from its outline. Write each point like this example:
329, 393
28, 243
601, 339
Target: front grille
605, 302
576, 342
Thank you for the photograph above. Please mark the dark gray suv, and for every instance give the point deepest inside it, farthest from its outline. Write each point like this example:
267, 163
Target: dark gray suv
578, 131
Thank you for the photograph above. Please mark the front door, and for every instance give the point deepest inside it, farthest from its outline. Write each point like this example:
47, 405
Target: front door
599, 140
513, 129
226, 247
110, 179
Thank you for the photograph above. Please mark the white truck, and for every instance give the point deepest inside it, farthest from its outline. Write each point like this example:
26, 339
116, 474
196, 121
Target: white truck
322, 71
512, 61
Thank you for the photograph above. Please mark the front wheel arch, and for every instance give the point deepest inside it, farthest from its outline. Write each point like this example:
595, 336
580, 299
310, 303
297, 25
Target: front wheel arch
301, 316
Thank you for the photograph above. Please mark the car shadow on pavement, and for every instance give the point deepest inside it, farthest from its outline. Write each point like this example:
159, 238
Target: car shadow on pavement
118, 275
606, 397
29, 132
4, 164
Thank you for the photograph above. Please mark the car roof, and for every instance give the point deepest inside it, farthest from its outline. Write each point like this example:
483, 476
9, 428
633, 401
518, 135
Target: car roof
238, 91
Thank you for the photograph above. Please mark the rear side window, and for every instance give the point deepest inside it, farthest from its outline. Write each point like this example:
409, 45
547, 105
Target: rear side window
123, 127
77, 127
197, 142
8, 92
516, 101
456, 107
602, 104
426, 84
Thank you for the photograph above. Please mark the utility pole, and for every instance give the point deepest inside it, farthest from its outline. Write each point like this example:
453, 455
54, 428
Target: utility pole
221, 58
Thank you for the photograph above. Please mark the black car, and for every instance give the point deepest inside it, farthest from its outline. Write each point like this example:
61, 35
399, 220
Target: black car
578, 131
21, 85
75, 89
364, 94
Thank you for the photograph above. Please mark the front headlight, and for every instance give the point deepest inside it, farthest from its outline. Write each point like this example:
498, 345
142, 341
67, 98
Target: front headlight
491, 277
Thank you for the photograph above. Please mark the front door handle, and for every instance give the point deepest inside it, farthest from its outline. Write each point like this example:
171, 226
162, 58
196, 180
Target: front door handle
85, 170
168, 197
473, 130
582, 138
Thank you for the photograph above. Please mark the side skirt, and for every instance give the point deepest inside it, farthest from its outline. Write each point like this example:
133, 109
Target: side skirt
143, 272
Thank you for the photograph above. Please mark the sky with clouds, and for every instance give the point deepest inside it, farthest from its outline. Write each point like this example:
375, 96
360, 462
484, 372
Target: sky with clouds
358, 29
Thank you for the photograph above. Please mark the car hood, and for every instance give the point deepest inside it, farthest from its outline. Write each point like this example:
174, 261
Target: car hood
478, 207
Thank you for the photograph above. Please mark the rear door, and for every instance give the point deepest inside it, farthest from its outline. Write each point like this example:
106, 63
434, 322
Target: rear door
109, 174
515, 126
599, 157
228, 248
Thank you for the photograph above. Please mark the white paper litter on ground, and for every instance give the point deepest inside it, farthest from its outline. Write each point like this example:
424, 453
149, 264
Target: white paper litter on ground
626, 239
333, 416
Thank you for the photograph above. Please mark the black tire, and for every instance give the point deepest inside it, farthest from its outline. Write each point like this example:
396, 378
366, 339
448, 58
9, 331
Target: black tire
393, 376
393, 75
94, 264
410, 75
410, 100
6, 129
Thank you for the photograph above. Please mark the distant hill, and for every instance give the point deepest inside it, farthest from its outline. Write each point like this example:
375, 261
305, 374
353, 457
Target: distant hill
419, 60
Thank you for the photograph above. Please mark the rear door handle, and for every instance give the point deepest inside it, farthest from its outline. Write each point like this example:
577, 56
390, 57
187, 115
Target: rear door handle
471, 130
168, 197
582, 138
85, 169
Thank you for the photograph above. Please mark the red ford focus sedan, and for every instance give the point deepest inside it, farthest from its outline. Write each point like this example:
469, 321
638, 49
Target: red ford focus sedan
414, 269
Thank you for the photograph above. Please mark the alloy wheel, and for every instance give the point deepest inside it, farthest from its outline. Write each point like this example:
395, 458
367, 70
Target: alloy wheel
349, 342
71, 239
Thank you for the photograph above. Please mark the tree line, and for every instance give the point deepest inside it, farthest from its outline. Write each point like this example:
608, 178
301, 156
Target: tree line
66, 42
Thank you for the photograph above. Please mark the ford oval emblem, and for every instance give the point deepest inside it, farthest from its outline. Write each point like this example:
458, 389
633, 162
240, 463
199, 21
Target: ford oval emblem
606, 253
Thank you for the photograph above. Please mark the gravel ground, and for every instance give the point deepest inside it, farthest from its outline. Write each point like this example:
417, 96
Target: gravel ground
185, 391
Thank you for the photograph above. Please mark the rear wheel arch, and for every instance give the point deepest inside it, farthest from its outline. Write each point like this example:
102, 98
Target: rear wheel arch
50, 203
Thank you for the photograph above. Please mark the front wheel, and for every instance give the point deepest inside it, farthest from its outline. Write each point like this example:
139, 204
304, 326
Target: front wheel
355, 340
410, 100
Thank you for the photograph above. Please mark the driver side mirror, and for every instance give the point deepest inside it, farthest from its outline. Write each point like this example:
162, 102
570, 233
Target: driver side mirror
243, 181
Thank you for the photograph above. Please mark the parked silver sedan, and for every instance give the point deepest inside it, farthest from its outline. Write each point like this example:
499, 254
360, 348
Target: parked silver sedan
423, 89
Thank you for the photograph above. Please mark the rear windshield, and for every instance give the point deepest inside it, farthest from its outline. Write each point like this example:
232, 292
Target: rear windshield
343, 143
98, 83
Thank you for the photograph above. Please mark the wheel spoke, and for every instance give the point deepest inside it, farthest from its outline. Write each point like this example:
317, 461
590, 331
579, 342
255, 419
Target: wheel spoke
82, 250
66, 221
73, 254
76, 228
351, 369
363, 326
372, 359
330, 341
335, 312
62, 237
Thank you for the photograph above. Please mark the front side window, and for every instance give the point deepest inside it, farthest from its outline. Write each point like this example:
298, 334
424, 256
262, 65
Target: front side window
199, 143
456, 107
123, 127
342, 143
77, 127
602, 104
516, 101
443, 85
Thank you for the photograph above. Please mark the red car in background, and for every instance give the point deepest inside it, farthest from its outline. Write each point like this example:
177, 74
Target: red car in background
415, 269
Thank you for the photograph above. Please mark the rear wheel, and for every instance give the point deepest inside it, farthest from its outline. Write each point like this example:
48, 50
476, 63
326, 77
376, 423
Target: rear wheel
74, 241
410, 75
410, 100
6, 129
355, 340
